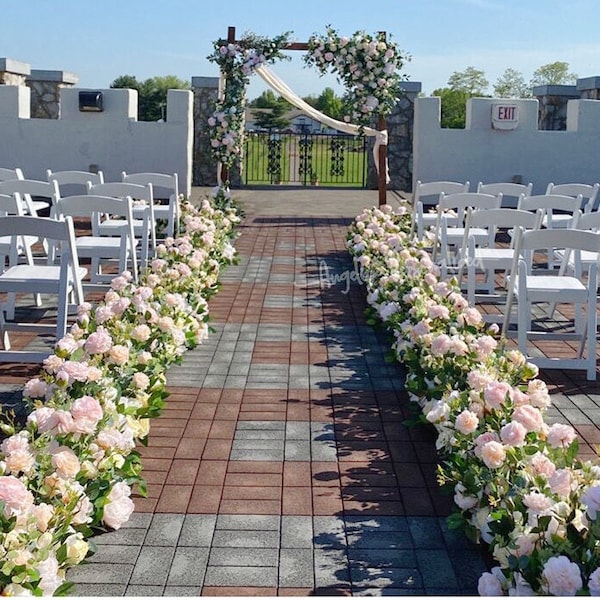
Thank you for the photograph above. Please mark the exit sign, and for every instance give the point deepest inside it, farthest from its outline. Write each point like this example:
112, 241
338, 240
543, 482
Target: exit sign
505, 116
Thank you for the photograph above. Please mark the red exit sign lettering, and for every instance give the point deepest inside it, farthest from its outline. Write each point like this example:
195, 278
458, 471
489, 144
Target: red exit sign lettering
505, 116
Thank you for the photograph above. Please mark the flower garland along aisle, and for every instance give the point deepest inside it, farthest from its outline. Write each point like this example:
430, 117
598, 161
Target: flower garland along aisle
518, 483
70, 469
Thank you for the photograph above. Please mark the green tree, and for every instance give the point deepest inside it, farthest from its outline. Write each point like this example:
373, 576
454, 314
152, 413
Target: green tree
556, 73
271, 118
511, 84
472, 81
329, 104
266, 100
152, 93
453, 107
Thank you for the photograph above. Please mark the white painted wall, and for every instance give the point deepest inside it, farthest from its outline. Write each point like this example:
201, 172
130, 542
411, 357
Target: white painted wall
114, 139
481, 153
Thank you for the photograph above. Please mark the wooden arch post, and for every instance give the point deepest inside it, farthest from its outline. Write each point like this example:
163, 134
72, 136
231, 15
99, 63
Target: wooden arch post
381, 126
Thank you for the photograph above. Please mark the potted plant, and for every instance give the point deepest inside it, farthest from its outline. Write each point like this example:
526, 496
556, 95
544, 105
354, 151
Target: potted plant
314, 178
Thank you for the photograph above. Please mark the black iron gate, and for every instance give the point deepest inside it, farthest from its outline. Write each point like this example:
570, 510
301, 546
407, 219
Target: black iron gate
305, 159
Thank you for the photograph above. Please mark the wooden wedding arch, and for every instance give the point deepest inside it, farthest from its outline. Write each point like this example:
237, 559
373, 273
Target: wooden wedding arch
381, 126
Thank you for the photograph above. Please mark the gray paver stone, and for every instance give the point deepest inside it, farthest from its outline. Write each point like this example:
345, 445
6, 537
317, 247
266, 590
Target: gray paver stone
241, 576
144, 590
244, 557
153, 565
385, 577
296, 532
245, 539
188, 567
164, 530
296, 568
249, 522
197, 530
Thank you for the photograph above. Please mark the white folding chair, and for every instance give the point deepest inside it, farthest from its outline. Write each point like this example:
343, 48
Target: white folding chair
450, 224
103, 249
511, 192
144, 223
560, 212
531, 288
74, 183
589, 193
425, 198
9, 174
486, 255
166, 187
63, 280
36, 195
13, 205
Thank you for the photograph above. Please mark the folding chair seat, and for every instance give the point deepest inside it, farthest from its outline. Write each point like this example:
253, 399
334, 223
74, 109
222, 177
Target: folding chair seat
425, 198
63, 281
488, 255
166, 187
511, 192
144, 223
103, 249
532, 289
450, 225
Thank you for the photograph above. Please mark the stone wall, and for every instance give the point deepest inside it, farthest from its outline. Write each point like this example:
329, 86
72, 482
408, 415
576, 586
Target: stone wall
45, 89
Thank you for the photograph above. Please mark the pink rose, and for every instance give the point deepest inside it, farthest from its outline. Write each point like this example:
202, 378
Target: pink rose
20, 461
560, 435
86, 412
591, 498
119, 354
119, 507
513, 434
440, 345
495, 394
542, 465
537, 503
538, 393
594, 583
17, 498
483, 439
561, 482
493, 454
35, 388
467, 422
489, 585
99, 342
141, 333
562, 577
529, 416
66, 463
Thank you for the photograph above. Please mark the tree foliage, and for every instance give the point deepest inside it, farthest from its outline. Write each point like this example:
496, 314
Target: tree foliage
472, 81
152, 93
556, 73
454, 107
511, 84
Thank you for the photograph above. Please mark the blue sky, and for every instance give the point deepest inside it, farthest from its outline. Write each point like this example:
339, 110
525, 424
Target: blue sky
98, 41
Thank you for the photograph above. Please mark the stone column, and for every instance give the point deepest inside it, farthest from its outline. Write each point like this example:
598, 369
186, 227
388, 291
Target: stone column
13, 72
589, 88
553, 105
45, 89
206, 94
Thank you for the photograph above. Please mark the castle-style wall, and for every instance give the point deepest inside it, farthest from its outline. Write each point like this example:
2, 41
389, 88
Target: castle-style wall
507, 149
112, 140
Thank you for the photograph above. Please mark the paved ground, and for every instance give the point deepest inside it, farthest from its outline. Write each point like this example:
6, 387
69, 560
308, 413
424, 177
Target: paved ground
282, 464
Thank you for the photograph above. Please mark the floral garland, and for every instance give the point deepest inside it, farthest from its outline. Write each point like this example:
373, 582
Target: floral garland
237, 61
70, 469
368, 66
518, 483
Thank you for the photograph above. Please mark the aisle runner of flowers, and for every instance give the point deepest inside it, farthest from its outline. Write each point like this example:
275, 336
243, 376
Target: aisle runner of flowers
69, 470
518, 483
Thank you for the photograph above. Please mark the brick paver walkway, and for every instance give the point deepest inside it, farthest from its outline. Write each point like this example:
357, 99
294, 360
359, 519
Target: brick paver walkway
281, 465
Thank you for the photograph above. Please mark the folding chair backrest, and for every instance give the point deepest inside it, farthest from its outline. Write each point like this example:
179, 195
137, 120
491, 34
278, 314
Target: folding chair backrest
9, 174
30, 188
10, 204
590, 220
429, 192
502, 218
90, 205
74, 182
510, 191
119, 189
163, 185
551, 203
459, 203
589, 193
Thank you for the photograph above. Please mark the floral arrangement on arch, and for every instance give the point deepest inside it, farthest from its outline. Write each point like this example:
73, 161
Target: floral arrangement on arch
70, 468
237, 61
518, 482
367, 65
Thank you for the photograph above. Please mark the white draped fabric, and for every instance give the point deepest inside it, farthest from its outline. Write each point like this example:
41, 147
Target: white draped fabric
279, 86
